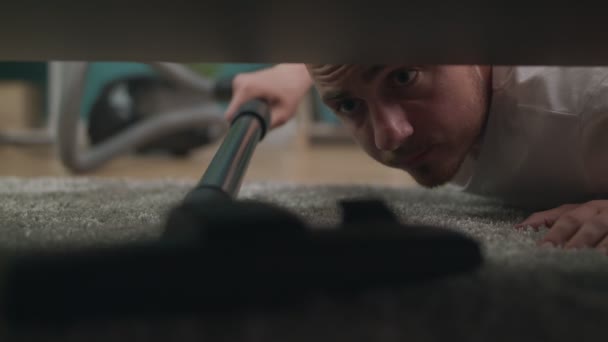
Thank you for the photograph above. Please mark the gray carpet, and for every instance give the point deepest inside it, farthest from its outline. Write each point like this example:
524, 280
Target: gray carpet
522, 293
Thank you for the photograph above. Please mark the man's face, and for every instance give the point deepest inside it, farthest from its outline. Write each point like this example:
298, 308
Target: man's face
421, 119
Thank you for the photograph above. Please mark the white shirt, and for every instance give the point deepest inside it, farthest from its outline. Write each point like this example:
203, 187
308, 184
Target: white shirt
546, 137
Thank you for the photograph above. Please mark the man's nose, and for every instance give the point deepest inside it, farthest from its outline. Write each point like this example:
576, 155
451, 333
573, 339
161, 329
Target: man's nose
391, 127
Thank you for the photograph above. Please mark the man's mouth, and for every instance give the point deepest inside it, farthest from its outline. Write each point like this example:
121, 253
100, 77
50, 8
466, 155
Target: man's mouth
416, 158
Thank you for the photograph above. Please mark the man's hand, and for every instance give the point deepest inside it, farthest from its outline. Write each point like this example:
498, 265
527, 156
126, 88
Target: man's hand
574, 225
283, 86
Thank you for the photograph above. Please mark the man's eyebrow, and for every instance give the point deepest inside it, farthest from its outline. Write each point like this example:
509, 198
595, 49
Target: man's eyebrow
335, 95
368, 75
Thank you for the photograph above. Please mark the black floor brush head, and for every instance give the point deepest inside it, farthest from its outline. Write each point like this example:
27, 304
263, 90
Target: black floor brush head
259, 257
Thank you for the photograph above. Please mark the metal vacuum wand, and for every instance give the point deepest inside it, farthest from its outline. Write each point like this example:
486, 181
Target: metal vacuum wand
230, 162
222, 180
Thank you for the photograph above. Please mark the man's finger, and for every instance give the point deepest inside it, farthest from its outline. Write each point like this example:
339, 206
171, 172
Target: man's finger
561, 232
590, 234
233, 106
242, 92
546, 218
277, 120
603, 246
280, 114
567, 225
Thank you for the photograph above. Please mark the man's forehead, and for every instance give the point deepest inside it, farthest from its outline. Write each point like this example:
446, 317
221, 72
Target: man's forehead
332, 72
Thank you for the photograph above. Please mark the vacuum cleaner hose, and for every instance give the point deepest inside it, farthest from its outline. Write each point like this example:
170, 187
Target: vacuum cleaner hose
205, 115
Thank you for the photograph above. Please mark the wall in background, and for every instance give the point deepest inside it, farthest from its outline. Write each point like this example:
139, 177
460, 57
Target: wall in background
23, 86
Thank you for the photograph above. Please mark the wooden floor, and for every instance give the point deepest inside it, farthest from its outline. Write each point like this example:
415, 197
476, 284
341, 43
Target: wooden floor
288, 154
290, 162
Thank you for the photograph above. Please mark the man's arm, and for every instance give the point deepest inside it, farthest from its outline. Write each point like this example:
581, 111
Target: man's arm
584, 224
283, 85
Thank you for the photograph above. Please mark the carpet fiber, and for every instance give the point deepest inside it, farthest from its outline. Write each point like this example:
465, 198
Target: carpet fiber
522, 292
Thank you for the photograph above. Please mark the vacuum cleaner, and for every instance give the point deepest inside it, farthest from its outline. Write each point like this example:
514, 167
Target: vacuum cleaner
222, 254
143, 118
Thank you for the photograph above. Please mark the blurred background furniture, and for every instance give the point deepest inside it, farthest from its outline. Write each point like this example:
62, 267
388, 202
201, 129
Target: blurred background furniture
28, 102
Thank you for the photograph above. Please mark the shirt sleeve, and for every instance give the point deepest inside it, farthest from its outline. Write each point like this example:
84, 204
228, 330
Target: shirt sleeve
594, 139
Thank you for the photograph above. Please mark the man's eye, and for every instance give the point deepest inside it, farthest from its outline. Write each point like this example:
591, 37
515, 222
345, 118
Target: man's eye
403, 77
348, 106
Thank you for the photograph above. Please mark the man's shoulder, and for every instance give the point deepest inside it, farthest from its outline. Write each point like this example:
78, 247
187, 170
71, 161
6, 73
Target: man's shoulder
558, 89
